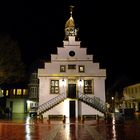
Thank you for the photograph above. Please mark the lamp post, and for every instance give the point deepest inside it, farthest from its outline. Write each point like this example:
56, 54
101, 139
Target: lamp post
113, 104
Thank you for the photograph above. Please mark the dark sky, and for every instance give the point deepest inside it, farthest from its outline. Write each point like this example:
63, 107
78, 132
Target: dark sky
109, 30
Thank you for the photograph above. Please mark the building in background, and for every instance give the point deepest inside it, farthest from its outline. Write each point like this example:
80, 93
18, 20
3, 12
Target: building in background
33, 86
15, 98
132, 97
20, 98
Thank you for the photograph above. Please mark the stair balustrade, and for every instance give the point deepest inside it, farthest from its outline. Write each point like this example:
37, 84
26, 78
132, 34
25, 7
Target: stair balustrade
51, 103
94, 102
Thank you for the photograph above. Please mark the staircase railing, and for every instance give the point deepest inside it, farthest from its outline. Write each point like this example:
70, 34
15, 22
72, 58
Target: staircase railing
94, 102
51, 103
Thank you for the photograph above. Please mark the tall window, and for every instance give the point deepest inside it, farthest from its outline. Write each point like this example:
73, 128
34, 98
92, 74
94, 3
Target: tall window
88, 86
14, 91
7, 92
19, 92
24, 92
54, 86
33, 92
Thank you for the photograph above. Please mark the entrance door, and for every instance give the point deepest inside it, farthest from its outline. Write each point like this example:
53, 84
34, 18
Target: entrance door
71, 90
72, 109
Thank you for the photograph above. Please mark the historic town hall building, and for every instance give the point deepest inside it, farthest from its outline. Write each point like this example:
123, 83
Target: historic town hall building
71, 84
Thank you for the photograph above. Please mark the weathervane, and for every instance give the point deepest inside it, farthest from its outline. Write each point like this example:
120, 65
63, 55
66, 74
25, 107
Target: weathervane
71, 9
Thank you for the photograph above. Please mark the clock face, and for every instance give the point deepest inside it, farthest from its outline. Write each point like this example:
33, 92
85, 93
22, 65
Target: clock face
72, 53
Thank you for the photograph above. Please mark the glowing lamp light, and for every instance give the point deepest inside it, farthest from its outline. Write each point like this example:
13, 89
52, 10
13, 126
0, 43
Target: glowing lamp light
63, 83
80, 82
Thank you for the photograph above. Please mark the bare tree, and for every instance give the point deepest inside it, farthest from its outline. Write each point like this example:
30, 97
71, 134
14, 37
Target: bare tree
12, 69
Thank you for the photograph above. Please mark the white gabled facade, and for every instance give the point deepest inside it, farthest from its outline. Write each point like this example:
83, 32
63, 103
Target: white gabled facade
71, 71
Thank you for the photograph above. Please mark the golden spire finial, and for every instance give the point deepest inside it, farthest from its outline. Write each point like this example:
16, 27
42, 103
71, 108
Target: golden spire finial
70, 29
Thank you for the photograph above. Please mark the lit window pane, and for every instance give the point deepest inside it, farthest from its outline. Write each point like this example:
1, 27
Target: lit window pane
54, 86
87, 86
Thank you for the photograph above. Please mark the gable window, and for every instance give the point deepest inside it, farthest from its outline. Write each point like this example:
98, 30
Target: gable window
88, 86
54, 86
71, 66
81, 69
62, 68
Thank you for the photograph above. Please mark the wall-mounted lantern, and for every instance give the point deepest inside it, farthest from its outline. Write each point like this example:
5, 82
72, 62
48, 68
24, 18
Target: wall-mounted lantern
63, 82
80, 82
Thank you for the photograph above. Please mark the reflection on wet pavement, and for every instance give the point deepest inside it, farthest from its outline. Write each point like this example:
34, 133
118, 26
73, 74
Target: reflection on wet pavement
70, 130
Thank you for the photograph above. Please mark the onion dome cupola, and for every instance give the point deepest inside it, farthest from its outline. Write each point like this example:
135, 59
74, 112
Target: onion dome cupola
70, 29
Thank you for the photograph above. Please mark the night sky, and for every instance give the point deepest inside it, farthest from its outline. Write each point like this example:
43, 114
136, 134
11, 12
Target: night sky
109, 30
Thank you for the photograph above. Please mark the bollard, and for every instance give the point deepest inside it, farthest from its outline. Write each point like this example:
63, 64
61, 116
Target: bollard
41, 118
97, 118
82, 119
64, 119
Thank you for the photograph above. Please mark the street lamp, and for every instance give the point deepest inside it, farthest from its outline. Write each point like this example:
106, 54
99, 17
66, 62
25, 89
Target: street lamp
113, 106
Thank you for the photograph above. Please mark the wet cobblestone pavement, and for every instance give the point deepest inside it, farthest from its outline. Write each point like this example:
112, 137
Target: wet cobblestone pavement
17, 129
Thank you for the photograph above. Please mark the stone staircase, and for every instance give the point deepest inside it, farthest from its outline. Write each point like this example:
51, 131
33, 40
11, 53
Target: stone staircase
94, 102
51, 103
